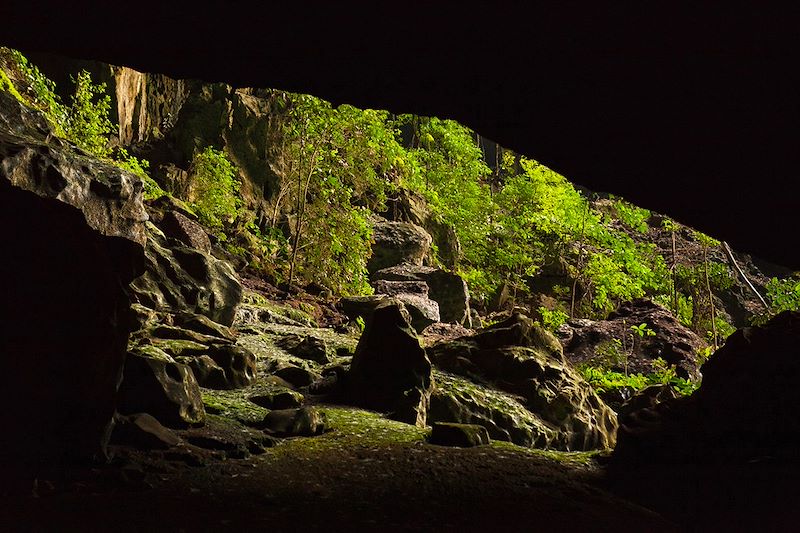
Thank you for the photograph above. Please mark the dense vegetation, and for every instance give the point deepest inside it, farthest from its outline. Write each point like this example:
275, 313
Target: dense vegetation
517, 221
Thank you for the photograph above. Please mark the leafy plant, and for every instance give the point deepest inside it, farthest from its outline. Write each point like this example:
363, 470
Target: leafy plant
214, 189
87, 121
552, 319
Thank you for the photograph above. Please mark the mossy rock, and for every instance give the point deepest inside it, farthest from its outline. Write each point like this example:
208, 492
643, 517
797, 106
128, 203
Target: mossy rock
179, 348
233, 404
278, 399
457, 399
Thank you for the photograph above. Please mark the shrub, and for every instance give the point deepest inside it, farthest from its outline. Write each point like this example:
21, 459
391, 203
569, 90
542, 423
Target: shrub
214, 189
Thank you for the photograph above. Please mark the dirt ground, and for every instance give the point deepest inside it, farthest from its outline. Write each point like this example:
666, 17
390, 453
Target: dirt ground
354, 478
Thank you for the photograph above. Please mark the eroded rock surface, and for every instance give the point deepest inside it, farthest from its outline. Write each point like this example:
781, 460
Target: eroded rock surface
179, 278
519, 357
448, 290
390, 371
156, 384
397, 243
72, 235
585, 341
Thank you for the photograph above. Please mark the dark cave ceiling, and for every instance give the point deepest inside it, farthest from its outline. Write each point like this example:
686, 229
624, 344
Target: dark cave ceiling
688, 112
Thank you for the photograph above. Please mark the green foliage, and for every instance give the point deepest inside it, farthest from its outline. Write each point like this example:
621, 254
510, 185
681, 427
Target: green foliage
552, 319
339, 163
40, 92
782, 295
632, 216
214, 190
86, 122
643, 330
605, 380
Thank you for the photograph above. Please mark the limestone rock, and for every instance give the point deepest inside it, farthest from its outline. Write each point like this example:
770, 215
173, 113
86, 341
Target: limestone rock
423, 311
307, 347
238, 362
207, 372
445, 288
163, 388
190, 233
296, 376
71, 235
587, 340
456, 399
397, 243
182, 279
519, 357
302, 422
390, 371
278, 399
204, 325
460, 435
392, 288
408, 206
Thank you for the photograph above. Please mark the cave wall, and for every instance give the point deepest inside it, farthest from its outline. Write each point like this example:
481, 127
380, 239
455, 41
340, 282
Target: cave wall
72, 236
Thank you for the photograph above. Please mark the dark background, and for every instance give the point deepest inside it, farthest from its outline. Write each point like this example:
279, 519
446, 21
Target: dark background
685, 109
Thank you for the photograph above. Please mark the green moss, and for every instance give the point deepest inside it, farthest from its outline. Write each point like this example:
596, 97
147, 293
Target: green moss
574, 459
353, 428
7, 85
232, 404
177, 347
286, 311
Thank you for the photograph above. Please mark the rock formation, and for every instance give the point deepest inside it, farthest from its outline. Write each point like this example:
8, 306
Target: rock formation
72, 235
390, 371
518, 357
612, 343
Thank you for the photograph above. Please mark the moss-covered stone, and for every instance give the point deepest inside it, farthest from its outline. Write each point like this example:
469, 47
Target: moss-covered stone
232, 404
457, 399
179, 347
278, 399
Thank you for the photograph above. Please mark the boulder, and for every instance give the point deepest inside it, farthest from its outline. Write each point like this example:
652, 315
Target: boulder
238, 363
179, 227
181, 279
392, 288
587, 341
503, 415
519, 357
278, 399
302, 422
390, 371
72, 237
203, 324
422, 310
296, 376
745, 409
408, 206
306, 347
445, 288
460, 435
207, 372
397, 243
161, 387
